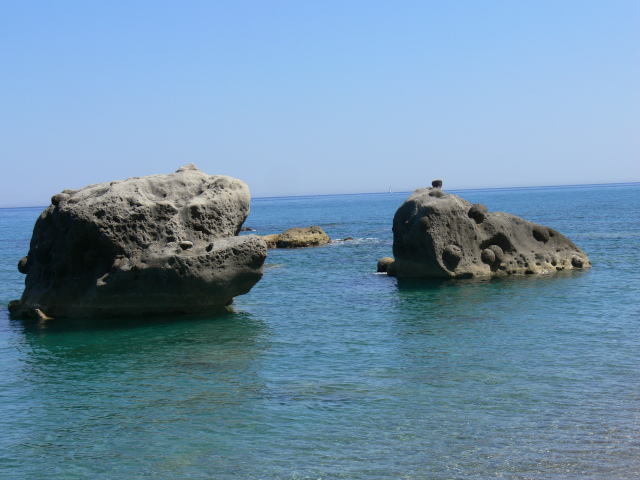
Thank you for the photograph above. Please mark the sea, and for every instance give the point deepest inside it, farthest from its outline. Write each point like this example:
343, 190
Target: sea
328, 370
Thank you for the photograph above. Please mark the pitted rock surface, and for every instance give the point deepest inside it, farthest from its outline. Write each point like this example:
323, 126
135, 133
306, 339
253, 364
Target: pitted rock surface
159, 244
440, 235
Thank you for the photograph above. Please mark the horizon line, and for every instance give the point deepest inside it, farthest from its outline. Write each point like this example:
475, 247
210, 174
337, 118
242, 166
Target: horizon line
579, 185
533, 187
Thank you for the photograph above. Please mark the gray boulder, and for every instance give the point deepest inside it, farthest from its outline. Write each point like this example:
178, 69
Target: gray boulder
160, 244
298, 238
440, 235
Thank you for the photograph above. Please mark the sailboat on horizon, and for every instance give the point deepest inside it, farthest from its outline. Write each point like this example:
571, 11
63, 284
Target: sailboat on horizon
390, 191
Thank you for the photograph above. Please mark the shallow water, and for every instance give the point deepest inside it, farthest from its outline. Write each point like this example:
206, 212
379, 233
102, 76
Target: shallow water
328, 370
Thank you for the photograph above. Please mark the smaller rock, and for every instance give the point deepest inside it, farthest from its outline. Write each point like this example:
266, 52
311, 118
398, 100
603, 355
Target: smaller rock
487, 256
348, 239
384, 263
22, 265
15, 307
391, 269
498, 252
298, 238
448, 237
272, 240
247, 229
437, 183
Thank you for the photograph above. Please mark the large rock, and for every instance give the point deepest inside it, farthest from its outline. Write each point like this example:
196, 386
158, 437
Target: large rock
298, 237
440, 235
150, 245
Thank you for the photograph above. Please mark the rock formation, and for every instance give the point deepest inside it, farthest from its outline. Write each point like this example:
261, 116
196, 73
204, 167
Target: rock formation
160, 244
297, 238
440, 235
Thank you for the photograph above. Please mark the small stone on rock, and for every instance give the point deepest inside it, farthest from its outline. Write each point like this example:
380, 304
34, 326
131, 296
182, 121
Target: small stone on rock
60, 197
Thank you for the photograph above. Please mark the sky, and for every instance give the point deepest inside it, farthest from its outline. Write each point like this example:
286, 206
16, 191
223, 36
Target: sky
318, 97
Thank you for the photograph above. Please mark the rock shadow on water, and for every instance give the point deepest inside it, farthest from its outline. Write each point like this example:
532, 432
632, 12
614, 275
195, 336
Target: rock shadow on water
220, 320
158, 355
116, 387
463, 332
482, 298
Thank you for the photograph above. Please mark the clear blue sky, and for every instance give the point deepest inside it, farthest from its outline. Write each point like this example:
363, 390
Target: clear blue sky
305, 97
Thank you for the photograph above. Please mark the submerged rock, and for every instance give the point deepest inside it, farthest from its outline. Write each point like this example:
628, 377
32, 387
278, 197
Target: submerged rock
298, 237
159, 244
441, 235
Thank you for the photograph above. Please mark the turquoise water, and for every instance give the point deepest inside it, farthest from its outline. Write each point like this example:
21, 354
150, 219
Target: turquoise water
328, 370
